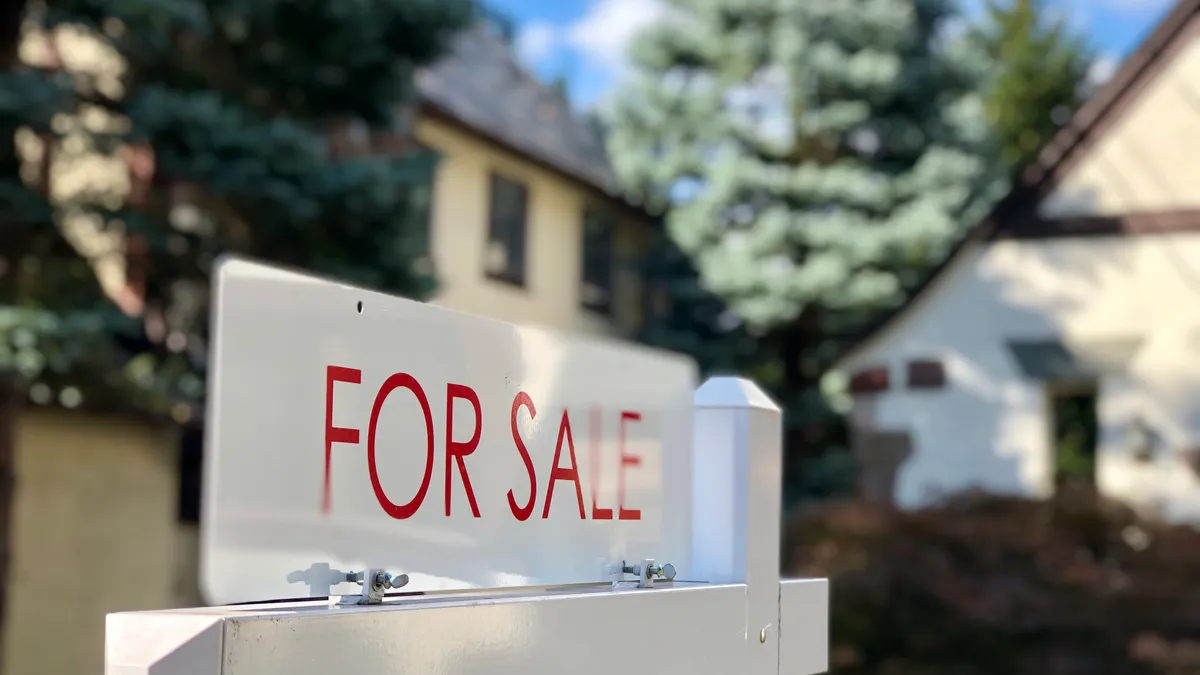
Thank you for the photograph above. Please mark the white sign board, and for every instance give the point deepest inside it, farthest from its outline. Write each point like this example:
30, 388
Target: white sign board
349, 429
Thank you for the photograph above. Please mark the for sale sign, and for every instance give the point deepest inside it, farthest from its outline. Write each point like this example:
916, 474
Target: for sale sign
349, 429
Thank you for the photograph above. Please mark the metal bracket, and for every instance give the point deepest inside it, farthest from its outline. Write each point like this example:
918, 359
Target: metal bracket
645, 571
375, 585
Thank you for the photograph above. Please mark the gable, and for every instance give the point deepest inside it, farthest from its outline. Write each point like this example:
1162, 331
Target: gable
481, 84
1146, 158
1124, 164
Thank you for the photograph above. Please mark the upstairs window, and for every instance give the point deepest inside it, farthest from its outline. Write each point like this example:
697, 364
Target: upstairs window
596, 292
505, 255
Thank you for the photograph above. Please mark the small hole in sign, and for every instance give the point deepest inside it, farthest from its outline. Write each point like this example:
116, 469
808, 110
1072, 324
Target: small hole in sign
360, 306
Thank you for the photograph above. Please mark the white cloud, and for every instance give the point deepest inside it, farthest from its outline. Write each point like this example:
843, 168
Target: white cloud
536, 41
602, 35
1102, 70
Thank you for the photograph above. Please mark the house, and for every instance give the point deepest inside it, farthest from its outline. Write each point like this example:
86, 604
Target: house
526, 222
525, 226
1061, 340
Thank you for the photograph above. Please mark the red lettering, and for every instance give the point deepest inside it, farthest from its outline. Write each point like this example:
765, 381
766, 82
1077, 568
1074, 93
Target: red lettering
626, 460
523, 512
560, 473
457, 450
595, 432
398, 381
335, 434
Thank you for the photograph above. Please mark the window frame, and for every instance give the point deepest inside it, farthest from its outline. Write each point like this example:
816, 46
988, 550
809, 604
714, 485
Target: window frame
503, 232
587, 269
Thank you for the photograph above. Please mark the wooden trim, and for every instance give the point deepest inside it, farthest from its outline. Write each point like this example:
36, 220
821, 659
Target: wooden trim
870, 380
1148, 223
926, 374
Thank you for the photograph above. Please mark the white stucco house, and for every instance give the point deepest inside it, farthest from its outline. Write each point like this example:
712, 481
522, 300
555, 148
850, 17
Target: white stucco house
1079, 295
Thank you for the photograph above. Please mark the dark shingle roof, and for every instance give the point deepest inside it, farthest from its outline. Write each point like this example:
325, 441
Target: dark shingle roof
481, 85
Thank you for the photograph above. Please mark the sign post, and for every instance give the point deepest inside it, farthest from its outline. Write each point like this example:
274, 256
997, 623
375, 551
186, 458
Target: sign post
485, 498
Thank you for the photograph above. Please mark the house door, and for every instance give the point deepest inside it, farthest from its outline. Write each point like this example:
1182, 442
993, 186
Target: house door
1074, 433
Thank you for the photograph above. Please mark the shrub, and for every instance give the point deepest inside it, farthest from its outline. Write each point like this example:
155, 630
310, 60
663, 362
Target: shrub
982, 584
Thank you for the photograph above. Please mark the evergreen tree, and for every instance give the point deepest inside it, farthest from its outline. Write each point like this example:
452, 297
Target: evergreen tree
256, 117
684, 316
1038, 84
816, 158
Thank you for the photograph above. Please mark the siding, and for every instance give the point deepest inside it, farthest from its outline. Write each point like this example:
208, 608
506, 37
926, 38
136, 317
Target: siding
551, 297
1147, 160
988, 427
93, 532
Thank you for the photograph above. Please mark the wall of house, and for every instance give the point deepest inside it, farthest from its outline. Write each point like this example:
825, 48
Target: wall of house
1147, 159
93, 531
551, 296
988, 426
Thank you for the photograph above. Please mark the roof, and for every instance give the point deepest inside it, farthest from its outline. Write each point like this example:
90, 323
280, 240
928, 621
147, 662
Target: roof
481, 86
1015, 216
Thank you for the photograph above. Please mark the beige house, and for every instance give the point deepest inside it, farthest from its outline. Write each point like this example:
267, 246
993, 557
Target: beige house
524, 227
1060, 342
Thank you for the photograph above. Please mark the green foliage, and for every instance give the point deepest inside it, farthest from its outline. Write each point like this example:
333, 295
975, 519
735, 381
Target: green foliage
686, 317
850, 167
237, 99
828, 476
991, 585
816, 160
1041, 67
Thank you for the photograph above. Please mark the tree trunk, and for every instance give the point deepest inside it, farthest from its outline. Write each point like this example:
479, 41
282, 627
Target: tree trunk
11, 15
799, 339
10, 403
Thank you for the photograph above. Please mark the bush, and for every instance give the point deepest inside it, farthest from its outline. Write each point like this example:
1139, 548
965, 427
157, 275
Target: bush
985, 585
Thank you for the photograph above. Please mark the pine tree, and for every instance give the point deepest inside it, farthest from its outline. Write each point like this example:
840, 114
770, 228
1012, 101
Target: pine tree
256, 116
817, 159
1042, 66
684, 316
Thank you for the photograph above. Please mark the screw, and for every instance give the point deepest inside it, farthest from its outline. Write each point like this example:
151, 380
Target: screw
762, 636
381, 580
666, 571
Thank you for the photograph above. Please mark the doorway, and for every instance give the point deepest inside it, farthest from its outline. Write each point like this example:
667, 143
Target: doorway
1075, 433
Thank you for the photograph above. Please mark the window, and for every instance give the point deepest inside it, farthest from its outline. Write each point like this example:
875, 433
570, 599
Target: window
1075, 432
505, 255
597, 289
926, 374
870, 380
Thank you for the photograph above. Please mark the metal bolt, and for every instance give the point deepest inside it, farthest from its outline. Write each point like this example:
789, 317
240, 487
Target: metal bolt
762, 636
666, 571
393, 582
381, 580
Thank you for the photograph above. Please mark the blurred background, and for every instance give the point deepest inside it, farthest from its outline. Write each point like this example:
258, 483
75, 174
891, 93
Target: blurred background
958, 241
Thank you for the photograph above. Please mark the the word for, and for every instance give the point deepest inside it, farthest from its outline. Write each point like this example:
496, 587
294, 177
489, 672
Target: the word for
457, 451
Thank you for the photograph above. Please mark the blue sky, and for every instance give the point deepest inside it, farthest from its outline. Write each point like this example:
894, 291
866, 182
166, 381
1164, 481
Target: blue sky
584, 40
